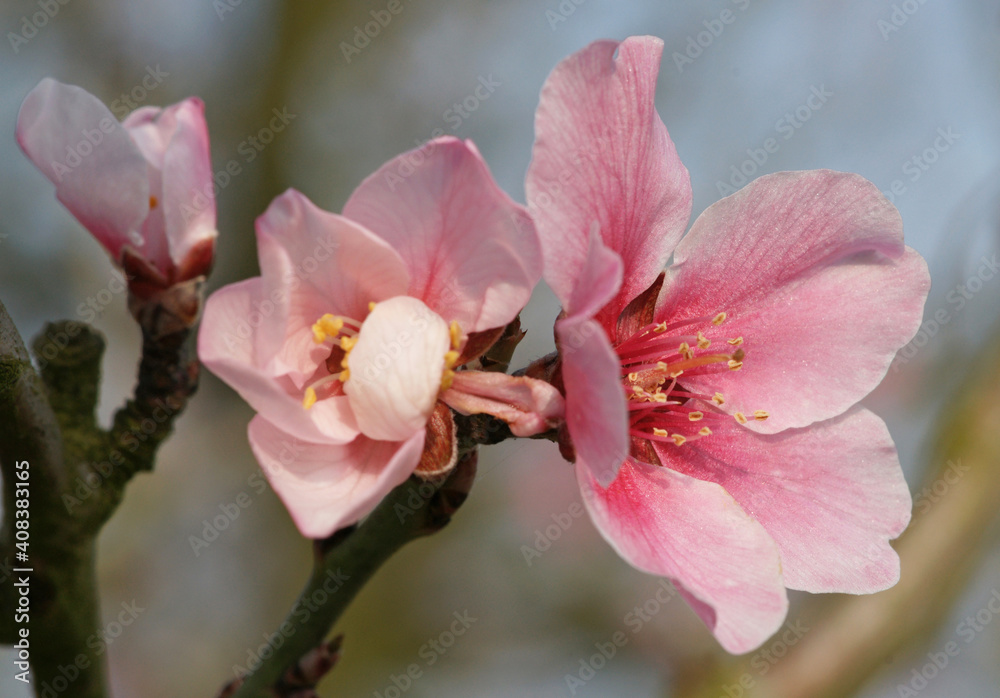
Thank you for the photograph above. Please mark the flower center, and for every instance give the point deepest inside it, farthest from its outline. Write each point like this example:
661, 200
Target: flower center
655, 359
391, 365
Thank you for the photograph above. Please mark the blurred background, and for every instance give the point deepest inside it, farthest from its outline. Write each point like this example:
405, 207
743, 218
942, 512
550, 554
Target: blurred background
910, 100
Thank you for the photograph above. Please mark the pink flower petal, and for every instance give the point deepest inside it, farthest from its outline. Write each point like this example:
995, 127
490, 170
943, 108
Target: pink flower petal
313, 262
812, 271
602, 154
188, 198
600, 278
226, 346
722, 561
472, 253
327, 487
596, 414
105, 186
528, 405
831, 496
396, 368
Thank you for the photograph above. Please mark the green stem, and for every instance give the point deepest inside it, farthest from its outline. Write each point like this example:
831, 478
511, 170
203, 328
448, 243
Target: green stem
344, 564
77, 473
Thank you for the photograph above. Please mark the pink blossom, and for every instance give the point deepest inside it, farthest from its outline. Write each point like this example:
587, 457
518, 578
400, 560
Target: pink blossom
356, 329
142, 187
712, 410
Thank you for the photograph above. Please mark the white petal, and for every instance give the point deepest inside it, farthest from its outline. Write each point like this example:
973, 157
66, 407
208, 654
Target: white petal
395, 368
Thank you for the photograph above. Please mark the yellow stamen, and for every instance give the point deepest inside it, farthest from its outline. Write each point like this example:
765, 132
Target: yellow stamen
344, 375
735, 365
661, 366
735, 342
450, 359
703, 341
347, 343
659, 432
685, 351
456, 334
678, 439
718, 399
740, 417
705, 431
633, 376
659, 396
696, 416
760, 415
719, 319
371, 306
310, 398
153, 202
327, 326
447, 378
662, 327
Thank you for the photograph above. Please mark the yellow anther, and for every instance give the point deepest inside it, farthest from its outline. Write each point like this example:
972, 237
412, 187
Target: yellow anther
659, 432
678, 439
637, 389
718, 399
735, 365
662, 327
447, 378
450, 358
347, 343
456, 334
310, 398
633, 376
719, 319
685, 350
696, 416
344, 375
735, 342
760, 415
676, 374
371, 306
659, 396
740, 417
327, 326
703, 341
705, 431
661, 366
153, 201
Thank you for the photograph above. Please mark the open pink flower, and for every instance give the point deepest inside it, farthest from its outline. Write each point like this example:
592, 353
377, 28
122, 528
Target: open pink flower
712, 409
350, 339
143, 187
